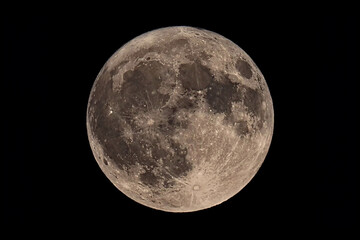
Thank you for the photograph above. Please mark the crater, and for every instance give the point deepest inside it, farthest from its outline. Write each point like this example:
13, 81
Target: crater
244, 68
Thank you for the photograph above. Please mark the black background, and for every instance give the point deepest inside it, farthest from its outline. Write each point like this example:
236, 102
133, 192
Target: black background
50, 178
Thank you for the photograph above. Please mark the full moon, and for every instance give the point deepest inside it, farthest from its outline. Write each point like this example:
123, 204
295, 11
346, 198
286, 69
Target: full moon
180, 119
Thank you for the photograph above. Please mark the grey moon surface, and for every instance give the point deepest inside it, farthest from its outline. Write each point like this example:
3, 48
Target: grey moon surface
180, 119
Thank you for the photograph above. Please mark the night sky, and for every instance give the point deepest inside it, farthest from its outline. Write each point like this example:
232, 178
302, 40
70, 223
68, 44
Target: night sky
50, 178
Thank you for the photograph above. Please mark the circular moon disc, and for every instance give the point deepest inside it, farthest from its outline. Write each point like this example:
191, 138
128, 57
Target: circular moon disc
180, 119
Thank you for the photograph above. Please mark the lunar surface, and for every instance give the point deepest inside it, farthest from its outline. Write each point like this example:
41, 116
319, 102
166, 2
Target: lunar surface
180, 119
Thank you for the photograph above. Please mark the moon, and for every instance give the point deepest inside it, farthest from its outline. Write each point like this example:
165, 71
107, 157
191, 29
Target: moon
180, 119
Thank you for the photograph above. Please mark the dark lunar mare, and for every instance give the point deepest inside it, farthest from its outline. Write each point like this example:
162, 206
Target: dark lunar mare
222, 94
194, 76
139, 94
